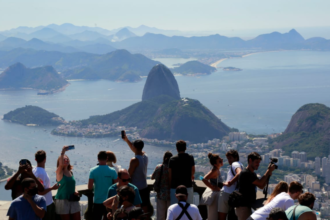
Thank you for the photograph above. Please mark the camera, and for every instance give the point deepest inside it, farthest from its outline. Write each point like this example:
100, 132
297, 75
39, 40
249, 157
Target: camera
274, 160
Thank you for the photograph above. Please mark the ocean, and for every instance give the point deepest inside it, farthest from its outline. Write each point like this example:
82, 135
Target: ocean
260, 99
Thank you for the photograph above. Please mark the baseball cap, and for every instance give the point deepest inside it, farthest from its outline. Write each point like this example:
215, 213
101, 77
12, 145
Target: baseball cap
181, 191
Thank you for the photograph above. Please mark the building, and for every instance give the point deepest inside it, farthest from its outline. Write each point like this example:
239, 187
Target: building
324, 164
316, 186
303, 156
295, 154
317, 166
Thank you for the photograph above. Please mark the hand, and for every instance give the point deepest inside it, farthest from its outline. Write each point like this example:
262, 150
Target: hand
226, 184
29, 171
76, 193
27, 196
271, 167
215, 188
65, 148
22, 168
56, 186
109, 215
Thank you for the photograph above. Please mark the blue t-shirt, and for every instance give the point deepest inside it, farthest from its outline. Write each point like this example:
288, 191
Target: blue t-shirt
113, 191
103, 177
20, 208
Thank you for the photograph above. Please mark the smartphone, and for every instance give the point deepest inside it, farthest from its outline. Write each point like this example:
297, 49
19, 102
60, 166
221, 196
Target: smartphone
23, 162
123, 134
71, 147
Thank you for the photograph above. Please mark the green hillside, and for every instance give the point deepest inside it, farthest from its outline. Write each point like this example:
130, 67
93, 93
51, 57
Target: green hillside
193, 67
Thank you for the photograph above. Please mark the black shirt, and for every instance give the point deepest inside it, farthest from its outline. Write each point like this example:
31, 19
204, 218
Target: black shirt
181, 165
246, 188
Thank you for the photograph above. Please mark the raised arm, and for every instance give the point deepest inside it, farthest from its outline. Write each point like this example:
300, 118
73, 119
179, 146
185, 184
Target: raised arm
59, 170
9, 185
261, 183
131, 146
30, 173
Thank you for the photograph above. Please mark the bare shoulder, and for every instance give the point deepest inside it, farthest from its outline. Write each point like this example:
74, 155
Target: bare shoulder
307, 216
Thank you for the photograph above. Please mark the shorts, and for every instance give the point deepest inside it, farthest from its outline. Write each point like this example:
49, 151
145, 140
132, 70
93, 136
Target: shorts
145, 196
223, 206
64, 207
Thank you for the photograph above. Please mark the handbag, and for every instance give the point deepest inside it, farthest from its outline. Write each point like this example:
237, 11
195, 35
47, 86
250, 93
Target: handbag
74, 198
158, 180
209, 195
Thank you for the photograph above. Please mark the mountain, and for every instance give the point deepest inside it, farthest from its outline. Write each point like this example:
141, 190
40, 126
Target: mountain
308, 131
11, 42
194, 67
164, 117
143, 29
122, 35
160, 81
87, 36
97, 48
44, 34
33, 115
18, 76
2, 37
70, 29
117, 65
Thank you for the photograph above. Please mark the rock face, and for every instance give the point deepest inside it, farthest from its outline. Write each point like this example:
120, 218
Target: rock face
308, 131
18, 76
160, 81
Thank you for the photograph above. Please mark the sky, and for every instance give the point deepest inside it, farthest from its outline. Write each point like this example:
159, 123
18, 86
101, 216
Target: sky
184, 15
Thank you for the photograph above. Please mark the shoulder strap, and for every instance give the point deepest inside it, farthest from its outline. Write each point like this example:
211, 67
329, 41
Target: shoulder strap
184, 211
294, 213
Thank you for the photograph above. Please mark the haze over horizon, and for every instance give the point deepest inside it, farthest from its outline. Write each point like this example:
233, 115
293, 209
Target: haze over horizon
231, 18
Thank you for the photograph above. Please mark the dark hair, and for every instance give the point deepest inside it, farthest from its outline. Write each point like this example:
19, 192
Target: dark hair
295, 187
233, 153
167, 157
127, 191
121, 171
135, 213
181, 145
40, 156
277, 213
254, 156
138, 144
119, 211
26, 182
111, 157
102, 155
213, 158
306, 199
27, 161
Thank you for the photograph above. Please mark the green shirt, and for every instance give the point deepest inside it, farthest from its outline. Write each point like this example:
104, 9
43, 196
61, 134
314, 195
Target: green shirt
67, 187
103, 177
301, 209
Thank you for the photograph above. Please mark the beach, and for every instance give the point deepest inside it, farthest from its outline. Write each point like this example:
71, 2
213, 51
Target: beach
215, 64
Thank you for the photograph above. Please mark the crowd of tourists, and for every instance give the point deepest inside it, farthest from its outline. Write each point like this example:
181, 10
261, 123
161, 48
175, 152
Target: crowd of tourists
121, 194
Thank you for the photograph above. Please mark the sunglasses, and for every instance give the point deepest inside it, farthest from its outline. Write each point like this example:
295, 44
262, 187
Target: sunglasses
126, 180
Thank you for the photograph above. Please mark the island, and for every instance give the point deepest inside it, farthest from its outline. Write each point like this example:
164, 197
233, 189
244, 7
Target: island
46, 78
194, 68
33, 116
5, 172
230, 68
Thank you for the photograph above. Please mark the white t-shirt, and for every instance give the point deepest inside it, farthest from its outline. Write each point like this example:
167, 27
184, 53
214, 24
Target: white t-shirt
230, 176
282, 200
41, 174
175, 210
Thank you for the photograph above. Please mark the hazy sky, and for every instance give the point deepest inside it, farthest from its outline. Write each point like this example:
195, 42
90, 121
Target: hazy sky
170, 14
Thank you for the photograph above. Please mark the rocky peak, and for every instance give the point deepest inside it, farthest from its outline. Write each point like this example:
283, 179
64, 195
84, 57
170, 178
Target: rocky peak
160, 81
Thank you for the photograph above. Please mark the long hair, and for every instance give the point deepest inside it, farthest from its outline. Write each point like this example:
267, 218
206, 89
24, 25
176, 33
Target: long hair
279, 188
70, 167
167, 157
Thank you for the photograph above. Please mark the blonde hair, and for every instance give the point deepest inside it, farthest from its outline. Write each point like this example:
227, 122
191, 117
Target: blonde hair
279, 188
70, 167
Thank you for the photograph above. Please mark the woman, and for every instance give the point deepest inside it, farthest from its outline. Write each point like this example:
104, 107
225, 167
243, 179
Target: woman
211, 180
279, 188
111, 160
67, 205
163, 195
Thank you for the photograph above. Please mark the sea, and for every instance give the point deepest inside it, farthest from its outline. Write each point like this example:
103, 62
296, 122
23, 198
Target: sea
260, 99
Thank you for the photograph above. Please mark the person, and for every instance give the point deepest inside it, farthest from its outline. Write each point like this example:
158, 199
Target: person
28, 206
163, 195
282, 197
181, 172
123, 180
41, 174
248, 181
124, 199
138, 171
15, 182
212, 180
229, 186
137, 214
183, 210
66, 205
111, 159
277, 214
101, 177
120, 214
303, 211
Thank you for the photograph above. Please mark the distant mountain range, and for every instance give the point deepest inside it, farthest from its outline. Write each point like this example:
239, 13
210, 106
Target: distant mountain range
18, 76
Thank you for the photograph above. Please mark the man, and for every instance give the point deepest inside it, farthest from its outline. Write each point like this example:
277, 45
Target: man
283, 200
123, 180
28, 206
183, 210
181, 172
248, 181
43, 177
138, 171
137, 214
24, 171
102, 177
303, 211
277, 214
229, 186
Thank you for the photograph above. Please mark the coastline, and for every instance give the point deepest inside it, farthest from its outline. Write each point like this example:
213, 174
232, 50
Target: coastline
217, 62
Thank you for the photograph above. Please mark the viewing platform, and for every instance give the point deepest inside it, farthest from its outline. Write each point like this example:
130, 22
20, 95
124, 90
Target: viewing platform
199, 187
